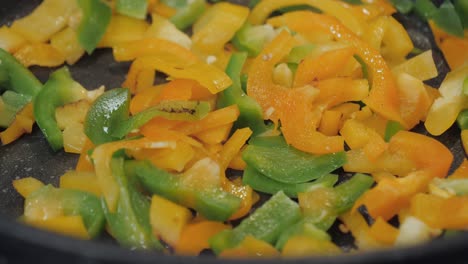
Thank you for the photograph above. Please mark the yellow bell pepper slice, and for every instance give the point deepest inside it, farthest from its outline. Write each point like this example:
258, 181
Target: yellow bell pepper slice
48, 18
445, 109
26, 186
217, 26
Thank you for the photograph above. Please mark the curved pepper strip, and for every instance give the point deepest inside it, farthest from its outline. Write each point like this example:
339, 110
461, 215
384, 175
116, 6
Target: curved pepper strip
130, 223
250, 112
173, 65
59, 90
383, 97
102, 156
299, 120
261, 11
16, 77
127, 51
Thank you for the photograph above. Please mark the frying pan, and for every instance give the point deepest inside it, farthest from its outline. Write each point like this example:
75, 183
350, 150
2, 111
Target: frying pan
31, 156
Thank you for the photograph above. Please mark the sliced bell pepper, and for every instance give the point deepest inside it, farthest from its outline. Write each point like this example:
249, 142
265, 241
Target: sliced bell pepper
101, 120
323, 205
251, 39
288, 165
16, 77
102, 156
26, 186
168, 219
259, 225
162, 28
225, 19
173, 65
187, 12
305, 227
94, 23
194, 237
250, 112
60, 89
212, 203
49, 202
391, 195
433, 210
262, 183
265, 8
47, 19
404, 155
132, 8
40, 54
383, 96
444, 110
130, 223
9, 40
171, 110
250, 247
303, 246
123, 29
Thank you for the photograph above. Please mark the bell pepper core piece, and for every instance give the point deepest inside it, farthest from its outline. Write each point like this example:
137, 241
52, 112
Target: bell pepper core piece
96, 18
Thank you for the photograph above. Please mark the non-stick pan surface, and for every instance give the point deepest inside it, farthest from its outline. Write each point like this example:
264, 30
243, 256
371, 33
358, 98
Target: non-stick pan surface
31, 156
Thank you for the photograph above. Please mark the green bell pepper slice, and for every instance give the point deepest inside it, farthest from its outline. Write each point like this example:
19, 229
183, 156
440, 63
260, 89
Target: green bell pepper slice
15, 77
315, 223
461, 6
262, 183
130, 224
19, 84
132, 8
462, 119
250, 111
106, 112
96, 18
403, 6
108, 119
72, 202
10, 104
212, 203
286, 164
391, 129
445, 17
172, 110
188, 11
266, 223
59, 90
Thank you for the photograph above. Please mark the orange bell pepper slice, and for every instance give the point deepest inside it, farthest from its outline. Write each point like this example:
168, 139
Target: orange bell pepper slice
293, 106
383, 232
391, 195
325, 66
438, 212
127, 51
334, 8
251, 247
383, 97
194, 237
